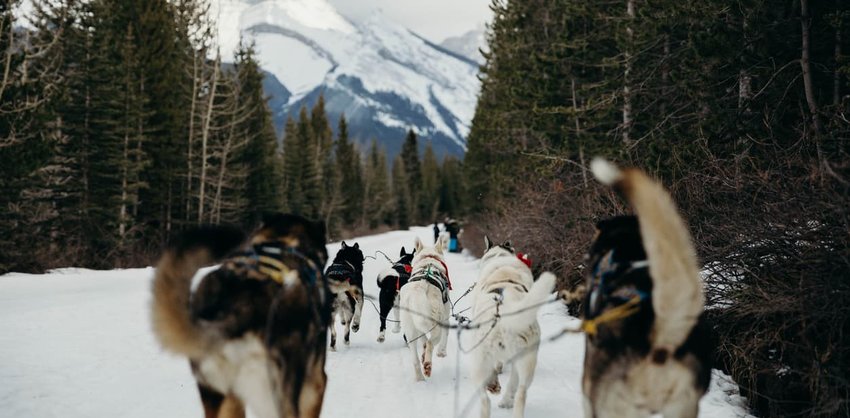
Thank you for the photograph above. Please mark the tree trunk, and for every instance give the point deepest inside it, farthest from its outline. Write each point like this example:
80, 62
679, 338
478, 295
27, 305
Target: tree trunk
627, 91
205, 134
805, 23
836, 75
191, 138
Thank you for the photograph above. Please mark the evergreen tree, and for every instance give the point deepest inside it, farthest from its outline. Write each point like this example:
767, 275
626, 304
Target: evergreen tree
410, 155
401, 194
293, 156
311, 173
377, 206
430, 186
261, 157
351, 178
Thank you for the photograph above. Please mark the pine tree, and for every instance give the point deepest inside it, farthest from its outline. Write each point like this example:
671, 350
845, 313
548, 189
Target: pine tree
401, 194
311, 173
293, 155
261, 157
351, 177
430, 186
377, 206
410, 155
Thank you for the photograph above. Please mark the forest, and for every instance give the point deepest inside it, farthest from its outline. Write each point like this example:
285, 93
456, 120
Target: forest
740, 108
122, 125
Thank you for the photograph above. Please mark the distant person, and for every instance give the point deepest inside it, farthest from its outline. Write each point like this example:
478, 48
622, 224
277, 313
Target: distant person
453, 228
436, 232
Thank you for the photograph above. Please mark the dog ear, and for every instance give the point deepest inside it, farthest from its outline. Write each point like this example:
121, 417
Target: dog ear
417, 245
344, 245
402, 253
487, 242
356, 245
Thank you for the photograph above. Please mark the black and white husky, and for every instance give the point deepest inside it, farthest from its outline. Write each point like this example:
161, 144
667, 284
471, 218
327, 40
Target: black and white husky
345, 279
425, 306
648, 350
390, 281
505, 285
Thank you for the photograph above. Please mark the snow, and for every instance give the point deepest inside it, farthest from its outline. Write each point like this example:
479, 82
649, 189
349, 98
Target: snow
77, 343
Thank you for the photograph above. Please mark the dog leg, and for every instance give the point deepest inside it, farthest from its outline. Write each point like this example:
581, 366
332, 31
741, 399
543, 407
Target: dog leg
358, 309
332, 326
482, 376
386, 306
417, 366
444, 334
211, 401
397, 326
508, 398
524, 369
347, 313
313, 392
426, 357
231, 408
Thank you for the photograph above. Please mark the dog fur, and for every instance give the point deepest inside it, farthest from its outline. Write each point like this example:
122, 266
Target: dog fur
423, 309
505, 284
251, 341
658, 359
345, 277
390, 281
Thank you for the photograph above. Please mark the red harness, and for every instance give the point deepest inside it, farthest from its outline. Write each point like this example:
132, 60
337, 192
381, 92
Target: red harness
524, 258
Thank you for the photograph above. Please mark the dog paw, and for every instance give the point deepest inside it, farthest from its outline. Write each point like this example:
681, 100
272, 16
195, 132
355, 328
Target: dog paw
427, 367
441, 353
355, 327
494, 386
381, 337
506, 403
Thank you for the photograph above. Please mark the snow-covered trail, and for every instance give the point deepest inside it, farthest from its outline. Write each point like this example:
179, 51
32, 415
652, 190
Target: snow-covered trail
77, 343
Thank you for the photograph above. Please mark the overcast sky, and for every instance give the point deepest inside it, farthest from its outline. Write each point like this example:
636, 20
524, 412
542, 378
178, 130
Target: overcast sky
433, 19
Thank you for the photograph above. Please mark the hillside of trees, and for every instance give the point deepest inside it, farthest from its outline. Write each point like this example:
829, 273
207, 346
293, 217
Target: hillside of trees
120, 126
740, 108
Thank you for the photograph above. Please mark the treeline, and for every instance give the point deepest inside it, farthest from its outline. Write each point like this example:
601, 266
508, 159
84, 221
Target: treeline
331, 178
741, 109
120, 125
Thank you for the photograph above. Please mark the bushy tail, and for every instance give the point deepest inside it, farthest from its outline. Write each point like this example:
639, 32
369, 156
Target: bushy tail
173, 325
677, 296
527, 307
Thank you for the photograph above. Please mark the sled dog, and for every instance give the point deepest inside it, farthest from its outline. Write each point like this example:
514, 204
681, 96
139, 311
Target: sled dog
647, 349
255, 330
345, 278
505, 285
425, 306
390, 281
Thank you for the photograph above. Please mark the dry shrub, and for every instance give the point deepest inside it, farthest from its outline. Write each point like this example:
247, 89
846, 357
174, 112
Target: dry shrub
773, 234
776, 242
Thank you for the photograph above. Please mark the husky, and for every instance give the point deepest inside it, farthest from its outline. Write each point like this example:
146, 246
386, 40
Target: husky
505, 285
255, 329
648, 349
425, 306
345, 277
390, 281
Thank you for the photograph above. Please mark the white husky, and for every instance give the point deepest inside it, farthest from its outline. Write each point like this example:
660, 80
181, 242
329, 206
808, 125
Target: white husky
505, 285
425, 305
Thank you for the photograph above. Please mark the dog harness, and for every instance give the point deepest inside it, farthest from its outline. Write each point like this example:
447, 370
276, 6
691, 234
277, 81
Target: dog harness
264, 261
403, 271
629, 296
434, 277
340, 272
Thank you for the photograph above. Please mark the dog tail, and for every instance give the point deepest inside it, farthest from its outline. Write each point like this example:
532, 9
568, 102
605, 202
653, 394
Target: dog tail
173, 325
523, 313
677, 296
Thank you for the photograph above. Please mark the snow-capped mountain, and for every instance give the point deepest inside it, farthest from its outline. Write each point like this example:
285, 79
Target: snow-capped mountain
469, 45
383, 77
